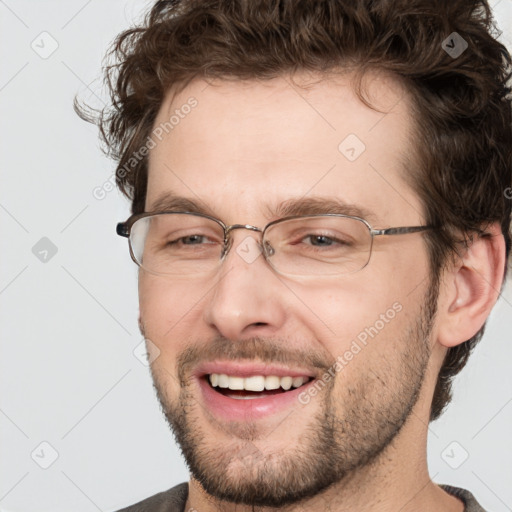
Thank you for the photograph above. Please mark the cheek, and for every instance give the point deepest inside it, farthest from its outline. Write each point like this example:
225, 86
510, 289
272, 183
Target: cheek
360, 309
342, 303
168, 309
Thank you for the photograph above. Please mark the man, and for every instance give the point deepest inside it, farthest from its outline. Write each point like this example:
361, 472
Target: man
300, 343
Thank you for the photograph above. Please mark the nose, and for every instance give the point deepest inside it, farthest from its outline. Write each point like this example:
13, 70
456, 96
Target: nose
247, 299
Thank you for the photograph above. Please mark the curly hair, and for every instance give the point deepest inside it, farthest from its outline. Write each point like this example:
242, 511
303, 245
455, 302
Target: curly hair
461, 104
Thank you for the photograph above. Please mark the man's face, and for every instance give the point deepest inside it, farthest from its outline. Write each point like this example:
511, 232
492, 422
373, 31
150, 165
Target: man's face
246, 146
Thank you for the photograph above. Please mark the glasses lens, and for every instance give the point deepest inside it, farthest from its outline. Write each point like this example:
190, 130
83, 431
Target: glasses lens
318, 245
176, 243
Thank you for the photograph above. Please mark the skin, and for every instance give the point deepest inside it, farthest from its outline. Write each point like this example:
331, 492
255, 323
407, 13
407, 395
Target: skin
251, 143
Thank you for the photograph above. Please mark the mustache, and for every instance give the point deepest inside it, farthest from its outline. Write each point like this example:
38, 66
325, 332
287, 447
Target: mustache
254, 348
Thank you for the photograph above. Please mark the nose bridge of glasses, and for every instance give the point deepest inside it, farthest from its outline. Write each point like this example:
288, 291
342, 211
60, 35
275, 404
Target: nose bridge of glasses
229, 239
241, 226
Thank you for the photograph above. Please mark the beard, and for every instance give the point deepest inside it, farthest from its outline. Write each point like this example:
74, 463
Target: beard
351, 428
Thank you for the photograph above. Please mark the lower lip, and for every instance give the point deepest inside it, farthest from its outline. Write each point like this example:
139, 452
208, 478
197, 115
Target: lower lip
239, 409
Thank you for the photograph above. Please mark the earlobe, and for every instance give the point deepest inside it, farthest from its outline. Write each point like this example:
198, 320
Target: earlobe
471, 288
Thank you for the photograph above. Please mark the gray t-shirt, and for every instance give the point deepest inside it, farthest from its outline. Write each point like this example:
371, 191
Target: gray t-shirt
174, 500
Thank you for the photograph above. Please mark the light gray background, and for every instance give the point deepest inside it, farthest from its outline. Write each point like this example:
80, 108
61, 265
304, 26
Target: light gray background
69, 376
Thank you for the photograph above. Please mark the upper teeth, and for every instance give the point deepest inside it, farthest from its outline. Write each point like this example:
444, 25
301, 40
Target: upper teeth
256, 382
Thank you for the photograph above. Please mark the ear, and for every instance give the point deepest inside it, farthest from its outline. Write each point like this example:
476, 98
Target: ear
471, 287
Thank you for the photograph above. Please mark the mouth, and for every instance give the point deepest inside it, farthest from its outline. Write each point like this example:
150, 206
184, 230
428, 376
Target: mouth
254, 386
238, 391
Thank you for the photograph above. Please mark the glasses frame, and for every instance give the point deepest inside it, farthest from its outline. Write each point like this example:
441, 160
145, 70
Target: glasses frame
124, 229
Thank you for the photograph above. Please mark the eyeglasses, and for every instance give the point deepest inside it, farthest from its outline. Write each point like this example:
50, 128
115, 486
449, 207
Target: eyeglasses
186, 243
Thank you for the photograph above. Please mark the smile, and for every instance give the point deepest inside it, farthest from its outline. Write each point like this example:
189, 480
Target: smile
255, 384
238, 391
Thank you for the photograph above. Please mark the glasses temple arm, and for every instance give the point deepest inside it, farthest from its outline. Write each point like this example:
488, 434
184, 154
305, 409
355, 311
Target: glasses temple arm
399, 230
122, 229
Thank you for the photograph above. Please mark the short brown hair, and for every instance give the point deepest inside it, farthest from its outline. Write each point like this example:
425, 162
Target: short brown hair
461, 104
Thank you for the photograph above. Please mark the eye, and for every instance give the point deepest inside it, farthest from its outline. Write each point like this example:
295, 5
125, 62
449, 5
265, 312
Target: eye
320, 240
190, 240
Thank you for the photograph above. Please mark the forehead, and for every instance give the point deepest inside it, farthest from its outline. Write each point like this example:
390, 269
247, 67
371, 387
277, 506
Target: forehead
243, 147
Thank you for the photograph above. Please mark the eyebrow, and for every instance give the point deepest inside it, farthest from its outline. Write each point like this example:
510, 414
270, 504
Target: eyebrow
311, 205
